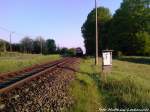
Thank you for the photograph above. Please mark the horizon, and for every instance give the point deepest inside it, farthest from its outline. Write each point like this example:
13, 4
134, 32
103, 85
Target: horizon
58, 20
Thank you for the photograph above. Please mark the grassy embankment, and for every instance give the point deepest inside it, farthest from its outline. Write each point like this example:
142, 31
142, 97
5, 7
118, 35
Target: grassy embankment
16, 61
128, 86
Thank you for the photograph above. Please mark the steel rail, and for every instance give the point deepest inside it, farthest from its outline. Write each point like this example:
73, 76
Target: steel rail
20, 80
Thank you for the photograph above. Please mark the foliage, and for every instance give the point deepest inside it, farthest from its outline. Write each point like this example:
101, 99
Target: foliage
72, 52
143, 39
130, 27
67, 52
27, 44
17, 47
128, 31
50, 46
39, 45
88, 29
4, 46
63, 51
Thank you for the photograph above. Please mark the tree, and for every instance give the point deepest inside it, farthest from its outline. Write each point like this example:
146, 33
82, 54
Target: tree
143, 39
50, 46
131, 21
27, 44
58, 50
39, 45
88, 30
72, 52
64, 51
16, 47
4, 45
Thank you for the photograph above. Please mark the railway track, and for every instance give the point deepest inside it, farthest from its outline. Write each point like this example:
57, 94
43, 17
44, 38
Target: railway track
43, 88
17, 79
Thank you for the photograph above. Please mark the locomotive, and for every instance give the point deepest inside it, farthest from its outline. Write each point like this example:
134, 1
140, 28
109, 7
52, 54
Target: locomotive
79, 52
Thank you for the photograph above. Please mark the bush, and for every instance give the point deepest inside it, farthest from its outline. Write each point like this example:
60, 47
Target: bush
72, 52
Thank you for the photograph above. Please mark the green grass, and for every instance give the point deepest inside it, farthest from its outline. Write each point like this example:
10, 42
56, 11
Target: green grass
127, 86
16, 61
8, 54
84, 90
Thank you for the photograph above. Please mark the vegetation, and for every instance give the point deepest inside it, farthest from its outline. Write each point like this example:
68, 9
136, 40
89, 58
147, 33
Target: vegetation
84, 89
4, 45
37, 46
88, 29
67, 52
50, 46
28, 45
126, 86
16, 61
127, 31
130, 28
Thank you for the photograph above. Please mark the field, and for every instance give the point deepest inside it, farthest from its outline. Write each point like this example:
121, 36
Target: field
16, 61
126, 87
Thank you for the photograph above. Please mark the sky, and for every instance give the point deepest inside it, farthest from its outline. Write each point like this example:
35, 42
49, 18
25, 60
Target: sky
60, 20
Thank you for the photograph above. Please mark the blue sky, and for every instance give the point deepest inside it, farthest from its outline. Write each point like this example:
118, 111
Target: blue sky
57, 19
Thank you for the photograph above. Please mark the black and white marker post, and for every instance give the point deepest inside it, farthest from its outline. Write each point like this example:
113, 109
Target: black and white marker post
106, 62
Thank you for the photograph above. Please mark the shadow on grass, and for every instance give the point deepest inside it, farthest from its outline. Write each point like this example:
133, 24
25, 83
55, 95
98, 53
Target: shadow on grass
140, 60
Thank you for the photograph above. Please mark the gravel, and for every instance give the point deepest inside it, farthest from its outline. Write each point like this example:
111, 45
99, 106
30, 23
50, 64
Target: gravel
48, 93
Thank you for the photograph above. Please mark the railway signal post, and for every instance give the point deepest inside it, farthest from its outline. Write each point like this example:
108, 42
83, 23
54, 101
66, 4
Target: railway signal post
106, 61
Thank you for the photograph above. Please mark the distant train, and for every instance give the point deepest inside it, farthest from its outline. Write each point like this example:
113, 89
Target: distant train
79, 52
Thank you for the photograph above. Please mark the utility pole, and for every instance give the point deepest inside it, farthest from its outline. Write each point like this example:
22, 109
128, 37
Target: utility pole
41, 44
10, 42
96, 55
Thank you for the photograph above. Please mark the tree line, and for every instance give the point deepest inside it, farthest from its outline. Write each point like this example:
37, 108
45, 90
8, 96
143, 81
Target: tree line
127, 31
36, 46
28, 45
